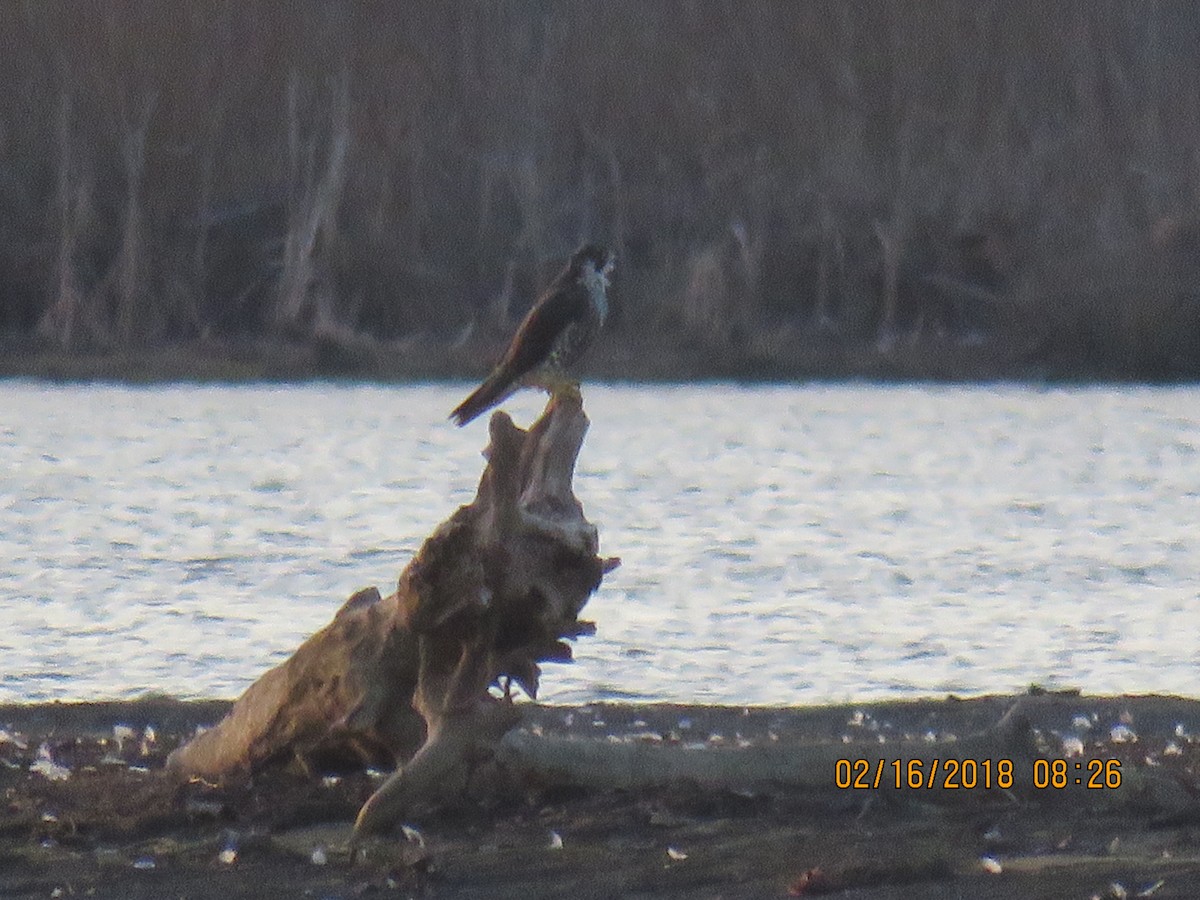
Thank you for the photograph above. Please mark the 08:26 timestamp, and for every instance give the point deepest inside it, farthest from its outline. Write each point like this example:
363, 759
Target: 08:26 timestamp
1096, 774
974, 774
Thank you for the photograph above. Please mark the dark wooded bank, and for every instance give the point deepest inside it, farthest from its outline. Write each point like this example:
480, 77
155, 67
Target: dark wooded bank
945, 188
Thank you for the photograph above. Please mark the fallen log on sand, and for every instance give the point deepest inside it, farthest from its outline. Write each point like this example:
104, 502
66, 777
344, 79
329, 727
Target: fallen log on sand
927, 765
491, 594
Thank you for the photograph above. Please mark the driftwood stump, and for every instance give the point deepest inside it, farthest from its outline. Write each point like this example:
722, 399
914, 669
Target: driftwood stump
489, 596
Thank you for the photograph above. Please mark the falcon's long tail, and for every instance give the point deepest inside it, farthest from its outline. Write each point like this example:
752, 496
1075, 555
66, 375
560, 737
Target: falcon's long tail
494, 389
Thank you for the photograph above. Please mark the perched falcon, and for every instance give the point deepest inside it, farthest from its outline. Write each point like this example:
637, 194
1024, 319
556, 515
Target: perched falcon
552, 338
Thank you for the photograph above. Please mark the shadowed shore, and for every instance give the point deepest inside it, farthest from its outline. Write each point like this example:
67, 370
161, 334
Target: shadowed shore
88, 808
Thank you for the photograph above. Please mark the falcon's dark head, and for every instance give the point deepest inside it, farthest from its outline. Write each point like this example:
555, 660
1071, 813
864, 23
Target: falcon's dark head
594, 258
591, 266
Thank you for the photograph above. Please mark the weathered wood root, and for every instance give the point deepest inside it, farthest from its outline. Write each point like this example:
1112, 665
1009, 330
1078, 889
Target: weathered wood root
491, 594
342, 698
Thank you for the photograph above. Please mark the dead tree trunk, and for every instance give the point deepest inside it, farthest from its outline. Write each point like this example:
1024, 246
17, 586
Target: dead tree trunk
490, 595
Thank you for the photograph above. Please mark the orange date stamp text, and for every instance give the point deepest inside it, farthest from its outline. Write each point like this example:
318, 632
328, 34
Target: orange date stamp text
954, 774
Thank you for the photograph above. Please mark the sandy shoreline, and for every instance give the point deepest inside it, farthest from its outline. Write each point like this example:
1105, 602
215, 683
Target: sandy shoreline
88, 812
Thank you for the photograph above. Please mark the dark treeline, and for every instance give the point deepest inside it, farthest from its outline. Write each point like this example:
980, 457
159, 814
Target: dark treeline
981, 187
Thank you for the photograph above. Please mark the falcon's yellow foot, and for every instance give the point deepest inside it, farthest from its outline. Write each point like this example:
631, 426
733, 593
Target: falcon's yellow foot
559, 386
562, 391
569, 391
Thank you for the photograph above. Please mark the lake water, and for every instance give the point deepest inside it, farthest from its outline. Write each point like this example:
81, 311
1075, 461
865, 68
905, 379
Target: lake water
789, 544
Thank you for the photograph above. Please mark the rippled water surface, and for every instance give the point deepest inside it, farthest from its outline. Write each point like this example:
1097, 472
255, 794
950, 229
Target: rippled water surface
779, 544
